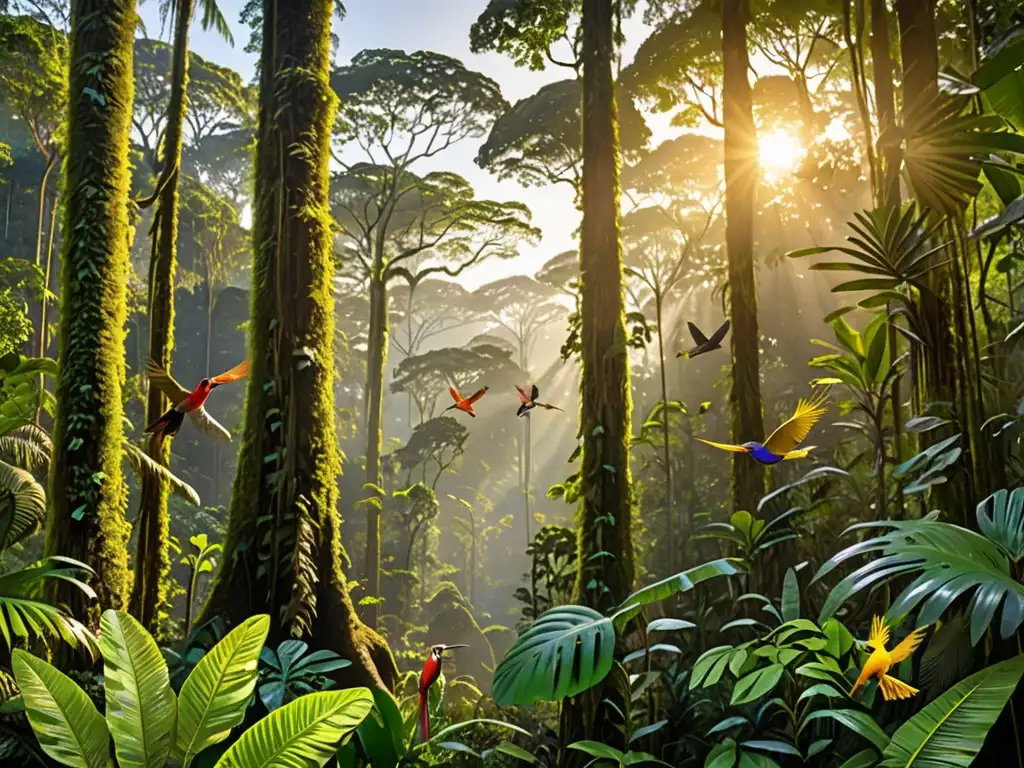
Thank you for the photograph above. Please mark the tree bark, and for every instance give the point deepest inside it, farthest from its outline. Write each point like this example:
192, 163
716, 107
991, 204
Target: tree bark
747, 420
87, 499
604, 517
283, 550
152, 557
377, 359
670, 511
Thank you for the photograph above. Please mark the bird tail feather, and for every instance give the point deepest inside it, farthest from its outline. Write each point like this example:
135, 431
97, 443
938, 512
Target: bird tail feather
424, 717
892, 688
800, 453
168, 424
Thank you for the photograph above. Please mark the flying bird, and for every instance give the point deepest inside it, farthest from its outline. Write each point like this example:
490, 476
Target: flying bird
881, 661
529, 401
431, 672
702, 342
465, 404
190, 403
781, 444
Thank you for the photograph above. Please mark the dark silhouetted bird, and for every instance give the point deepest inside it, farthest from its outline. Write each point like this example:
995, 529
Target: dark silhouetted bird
529, 401
702, 342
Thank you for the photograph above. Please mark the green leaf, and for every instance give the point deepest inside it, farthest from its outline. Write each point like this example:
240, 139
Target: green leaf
461, 726
512, 750
951, 730
995, 68
669, 625
758, 683
142, 711
867, 758
384, 741
568, 650
680, 582
859, 722
214, 698
597, 749
722, 755
67, 724
790, 596
304, 733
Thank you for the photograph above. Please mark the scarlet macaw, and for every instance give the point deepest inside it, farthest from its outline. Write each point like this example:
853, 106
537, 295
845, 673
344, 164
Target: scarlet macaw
431, 672
781, 444
702, 342
881, 661
190, 403
529, 401
465, 404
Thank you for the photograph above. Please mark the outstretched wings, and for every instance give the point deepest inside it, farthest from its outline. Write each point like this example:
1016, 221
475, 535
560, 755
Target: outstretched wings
794, 431
523, 397
720, 333
240, 371
455, 394
697, 335
724, 446
476, 395
907, 645
166, 383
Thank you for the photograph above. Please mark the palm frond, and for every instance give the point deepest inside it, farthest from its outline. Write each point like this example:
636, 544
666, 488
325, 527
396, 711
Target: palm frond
214, 19
22, 505
28, 447
144, 465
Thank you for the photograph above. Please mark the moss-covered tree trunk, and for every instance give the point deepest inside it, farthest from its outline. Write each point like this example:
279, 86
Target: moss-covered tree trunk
86, 516
283, 551
152, 558
603, 518
746, 412
377, 354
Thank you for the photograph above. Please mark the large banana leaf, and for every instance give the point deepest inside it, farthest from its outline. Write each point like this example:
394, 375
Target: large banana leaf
951, 730
949, 560
383, 741
67, 724
1001, 520
680, 582
215, 695
24, 615
304, 733
567, 650
142, 711
22, 505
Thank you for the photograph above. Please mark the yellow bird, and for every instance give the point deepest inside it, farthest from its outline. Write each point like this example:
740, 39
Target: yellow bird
881, 661
781, 445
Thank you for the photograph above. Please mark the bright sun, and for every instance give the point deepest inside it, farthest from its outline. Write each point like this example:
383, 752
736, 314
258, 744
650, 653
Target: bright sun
780, 153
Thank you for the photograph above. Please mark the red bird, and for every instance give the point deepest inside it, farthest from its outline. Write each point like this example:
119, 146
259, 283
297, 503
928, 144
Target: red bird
189, 403
465, 404
431, 671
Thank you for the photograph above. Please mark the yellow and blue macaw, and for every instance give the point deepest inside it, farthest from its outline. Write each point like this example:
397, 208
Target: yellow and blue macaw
782, 444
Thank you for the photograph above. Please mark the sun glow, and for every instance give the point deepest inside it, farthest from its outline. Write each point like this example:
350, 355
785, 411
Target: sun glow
780, 154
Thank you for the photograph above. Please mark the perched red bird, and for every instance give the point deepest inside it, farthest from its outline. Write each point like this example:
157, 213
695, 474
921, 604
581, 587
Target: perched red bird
190, 403
465, 404
431, 671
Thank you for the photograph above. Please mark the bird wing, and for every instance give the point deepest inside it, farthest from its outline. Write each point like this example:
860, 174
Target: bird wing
166, 383
476, 395
892, 688
203, 421
549, 407
879, 633
724, 446
534, 393
240, 371
523, 397
455, 394
698, 336
793, 432
907, 645
720, 333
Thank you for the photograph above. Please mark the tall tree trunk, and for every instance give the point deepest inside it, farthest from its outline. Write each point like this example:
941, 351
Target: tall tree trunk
44, 340
51, 161
670, 511
283, 550
747, 419
87, 499
152, 557
604, 516
377, 359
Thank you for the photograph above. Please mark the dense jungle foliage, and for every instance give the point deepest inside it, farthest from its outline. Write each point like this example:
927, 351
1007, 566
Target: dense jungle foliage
350, 548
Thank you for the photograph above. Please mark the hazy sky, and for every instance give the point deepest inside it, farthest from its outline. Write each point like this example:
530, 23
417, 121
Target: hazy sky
441, 26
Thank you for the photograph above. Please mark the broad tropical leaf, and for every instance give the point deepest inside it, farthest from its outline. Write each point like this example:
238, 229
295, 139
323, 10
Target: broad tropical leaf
567, 650
949, 560
383, 741
680, 582
141, 708
305, 733
1001, 520
67, 724
142, 464
951, 730
24, 615
22, 505
215, 695
28, 446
